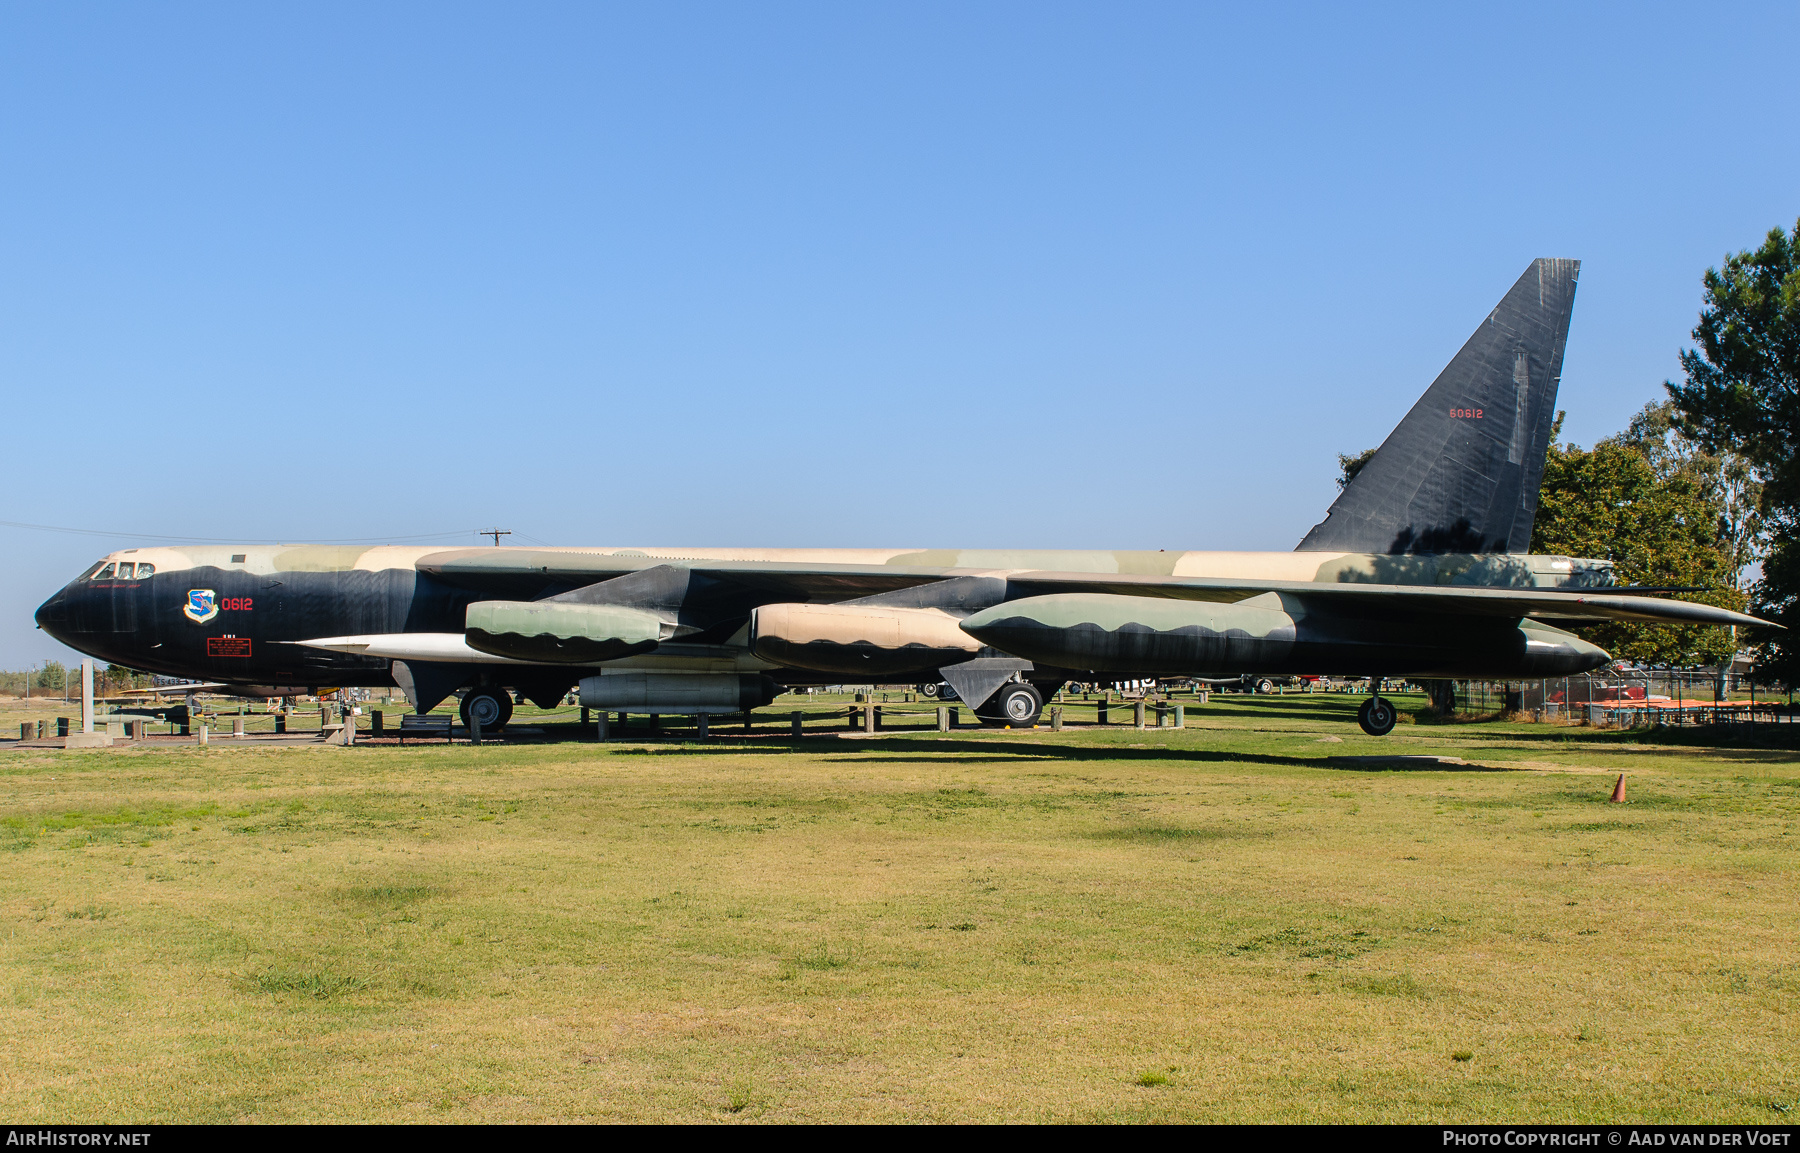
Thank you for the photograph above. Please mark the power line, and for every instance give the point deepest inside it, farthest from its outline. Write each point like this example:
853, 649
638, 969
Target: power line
415, 537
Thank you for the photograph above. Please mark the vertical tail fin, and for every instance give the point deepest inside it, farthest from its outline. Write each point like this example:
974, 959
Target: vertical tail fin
1461, 472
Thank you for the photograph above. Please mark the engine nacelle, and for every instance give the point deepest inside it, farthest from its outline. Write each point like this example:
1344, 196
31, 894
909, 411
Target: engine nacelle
561, 632
638, 691
1109, 632
858, 640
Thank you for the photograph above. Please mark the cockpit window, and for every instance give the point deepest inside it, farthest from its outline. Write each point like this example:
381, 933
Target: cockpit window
117, 570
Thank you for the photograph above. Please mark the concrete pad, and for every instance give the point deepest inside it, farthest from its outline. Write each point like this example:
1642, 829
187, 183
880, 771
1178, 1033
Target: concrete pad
88, 741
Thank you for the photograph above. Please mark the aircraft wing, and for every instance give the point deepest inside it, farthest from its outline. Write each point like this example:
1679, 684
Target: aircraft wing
1587, 604
510, 570
493, 570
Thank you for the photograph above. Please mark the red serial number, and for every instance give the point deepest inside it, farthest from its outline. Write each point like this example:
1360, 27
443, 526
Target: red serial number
236, 604
1465, 414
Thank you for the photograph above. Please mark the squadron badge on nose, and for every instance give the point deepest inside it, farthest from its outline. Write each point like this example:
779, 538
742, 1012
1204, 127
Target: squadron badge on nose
200, 607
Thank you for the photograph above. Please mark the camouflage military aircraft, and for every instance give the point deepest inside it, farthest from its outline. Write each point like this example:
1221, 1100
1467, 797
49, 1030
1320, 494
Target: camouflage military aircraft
1414, 572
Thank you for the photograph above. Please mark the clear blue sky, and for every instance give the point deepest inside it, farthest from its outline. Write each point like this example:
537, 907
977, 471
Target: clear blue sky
1097, 275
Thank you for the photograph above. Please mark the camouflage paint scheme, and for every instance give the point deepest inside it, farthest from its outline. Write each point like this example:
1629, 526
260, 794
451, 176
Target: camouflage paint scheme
1271, 633
1408, 575
275, 599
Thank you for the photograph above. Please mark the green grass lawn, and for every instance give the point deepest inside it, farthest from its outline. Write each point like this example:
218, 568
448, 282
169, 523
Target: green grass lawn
1212, 924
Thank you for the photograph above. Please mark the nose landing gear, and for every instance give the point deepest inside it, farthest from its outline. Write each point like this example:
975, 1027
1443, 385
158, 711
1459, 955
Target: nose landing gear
1377, 716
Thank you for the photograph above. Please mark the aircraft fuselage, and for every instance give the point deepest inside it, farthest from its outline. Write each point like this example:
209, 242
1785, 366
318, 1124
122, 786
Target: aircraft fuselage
241, 615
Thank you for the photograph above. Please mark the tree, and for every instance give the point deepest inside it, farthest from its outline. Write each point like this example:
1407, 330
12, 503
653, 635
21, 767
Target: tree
51, 676
1609, 503
1726, 479
1742, 395
1353, 465
1664, 509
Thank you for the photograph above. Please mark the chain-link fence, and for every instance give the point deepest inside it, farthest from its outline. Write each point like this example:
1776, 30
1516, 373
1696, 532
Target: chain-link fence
1635, 697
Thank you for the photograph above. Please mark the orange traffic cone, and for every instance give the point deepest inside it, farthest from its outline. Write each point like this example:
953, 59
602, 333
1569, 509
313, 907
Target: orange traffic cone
1618, 797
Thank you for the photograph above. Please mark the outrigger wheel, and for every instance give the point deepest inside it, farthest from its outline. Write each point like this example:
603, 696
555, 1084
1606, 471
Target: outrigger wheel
492, 707
1016, 704
1377, 716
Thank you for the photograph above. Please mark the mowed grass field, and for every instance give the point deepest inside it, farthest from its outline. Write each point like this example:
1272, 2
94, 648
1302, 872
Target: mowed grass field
1214, 924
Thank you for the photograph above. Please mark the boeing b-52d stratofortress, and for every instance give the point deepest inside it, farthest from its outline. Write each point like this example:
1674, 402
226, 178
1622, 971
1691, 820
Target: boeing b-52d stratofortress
1417, 571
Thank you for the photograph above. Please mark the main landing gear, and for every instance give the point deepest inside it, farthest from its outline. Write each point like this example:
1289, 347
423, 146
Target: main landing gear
1377, 715
491, 706
1017, 705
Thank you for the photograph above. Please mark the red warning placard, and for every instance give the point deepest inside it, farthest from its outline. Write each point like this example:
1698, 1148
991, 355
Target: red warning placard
227, 646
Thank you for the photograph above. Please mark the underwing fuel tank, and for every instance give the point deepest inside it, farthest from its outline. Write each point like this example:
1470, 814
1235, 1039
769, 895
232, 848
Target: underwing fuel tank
560, 632
1272, 633
855, 640
655, 692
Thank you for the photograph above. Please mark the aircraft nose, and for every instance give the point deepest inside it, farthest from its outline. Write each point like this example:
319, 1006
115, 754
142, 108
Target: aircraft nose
53, 615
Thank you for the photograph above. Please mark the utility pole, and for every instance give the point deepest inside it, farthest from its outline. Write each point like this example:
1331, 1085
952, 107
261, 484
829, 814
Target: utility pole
496, 533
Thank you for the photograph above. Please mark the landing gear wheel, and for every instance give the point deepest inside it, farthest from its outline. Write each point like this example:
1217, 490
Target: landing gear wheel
928, 691
1265, 686
1016, 705
491, 707
1377, 717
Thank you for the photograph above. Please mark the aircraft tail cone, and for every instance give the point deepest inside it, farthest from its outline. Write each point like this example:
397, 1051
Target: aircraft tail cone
1618, 794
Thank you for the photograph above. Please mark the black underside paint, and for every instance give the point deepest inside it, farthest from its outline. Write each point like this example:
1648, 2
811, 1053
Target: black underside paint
142, 625
1320, 644
858, 661
249, 639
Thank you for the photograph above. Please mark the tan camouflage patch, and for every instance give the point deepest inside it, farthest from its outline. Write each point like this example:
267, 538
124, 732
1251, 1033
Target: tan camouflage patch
883, 628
